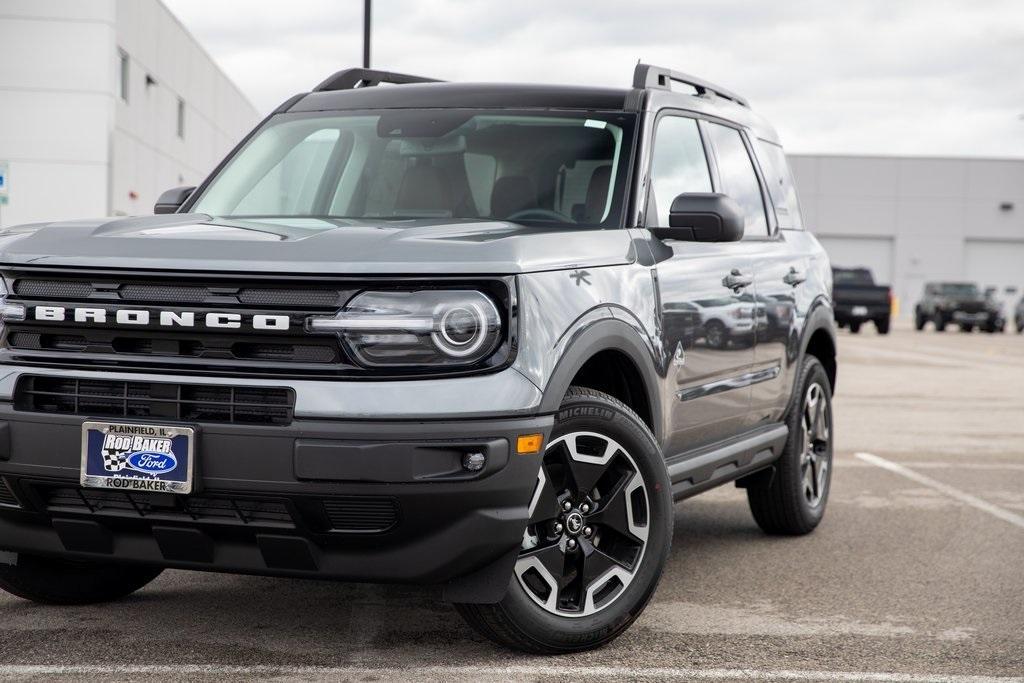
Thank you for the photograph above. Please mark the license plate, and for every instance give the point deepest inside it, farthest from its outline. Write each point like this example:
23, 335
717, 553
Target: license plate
137, 457
860, 311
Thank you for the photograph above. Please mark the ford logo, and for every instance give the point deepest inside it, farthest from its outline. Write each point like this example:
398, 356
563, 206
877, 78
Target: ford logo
151, 462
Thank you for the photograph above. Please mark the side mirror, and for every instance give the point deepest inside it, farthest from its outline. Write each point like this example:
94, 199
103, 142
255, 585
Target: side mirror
703, 217
171, 200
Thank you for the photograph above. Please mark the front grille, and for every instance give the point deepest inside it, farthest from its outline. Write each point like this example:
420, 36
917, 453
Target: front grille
155, 400
7, 495
227, 325
138, 292
362, 513
165, 507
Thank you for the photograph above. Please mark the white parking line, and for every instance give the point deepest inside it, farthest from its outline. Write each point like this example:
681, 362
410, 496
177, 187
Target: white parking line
936, 465
501, 672
952, 492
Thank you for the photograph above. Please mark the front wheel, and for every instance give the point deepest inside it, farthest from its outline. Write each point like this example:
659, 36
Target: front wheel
791, 499
55, 581
598, 535
919, 319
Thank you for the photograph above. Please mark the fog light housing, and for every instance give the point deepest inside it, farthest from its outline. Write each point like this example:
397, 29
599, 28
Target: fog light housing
473, 462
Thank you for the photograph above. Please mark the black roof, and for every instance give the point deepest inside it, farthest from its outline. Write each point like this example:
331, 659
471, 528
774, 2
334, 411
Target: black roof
471, 96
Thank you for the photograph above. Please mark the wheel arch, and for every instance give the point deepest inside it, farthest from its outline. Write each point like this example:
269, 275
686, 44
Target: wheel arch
610, 355
819, 340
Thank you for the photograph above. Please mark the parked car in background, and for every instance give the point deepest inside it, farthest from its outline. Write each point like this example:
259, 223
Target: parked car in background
858, 299
960, 303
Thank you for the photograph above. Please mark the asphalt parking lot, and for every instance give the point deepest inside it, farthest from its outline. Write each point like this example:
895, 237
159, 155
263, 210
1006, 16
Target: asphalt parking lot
916, 573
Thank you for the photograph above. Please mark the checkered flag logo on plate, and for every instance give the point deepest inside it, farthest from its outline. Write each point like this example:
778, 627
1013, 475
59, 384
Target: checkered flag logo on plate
114, 460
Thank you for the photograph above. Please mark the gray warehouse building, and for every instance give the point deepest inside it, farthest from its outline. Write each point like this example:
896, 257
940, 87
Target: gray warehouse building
915, 219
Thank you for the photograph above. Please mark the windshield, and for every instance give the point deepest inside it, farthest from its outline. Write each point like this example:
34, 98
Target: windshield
543, 168
958, 289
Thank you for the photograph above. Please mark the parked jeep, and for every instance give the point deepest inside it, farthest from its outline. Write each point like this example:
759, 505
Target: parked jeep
431, 333
961, 303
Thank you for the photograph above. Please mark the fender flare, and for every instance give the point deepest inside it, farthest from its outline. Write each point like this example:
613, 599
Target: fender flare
606, 334
820, 318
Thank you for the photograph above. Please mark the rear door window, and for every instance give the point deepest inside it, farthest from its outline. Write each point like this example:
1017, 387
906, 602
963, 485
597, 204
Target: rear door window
780, 185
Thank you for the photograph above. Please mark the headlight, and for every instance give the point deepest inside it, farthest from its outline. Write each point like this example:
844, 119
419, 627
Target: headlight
9, 312
417, 328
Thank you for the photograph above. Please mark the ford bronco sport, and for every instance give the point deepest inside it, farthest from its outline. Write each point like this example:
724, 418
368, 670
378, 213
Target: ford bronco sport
424, 332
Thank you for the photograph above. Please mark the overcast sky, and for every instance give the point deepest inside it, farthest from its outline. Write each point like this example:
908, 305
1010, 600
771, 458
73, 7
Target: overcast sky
934, 77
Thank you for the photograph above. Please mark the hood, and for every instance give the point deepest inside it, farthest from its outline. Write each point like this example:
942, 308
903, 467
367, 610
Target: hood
312, 245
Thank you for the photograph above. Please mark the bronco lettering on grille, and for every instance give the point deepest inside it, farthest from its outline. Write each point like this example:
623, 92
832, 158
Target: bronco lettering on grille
161, 318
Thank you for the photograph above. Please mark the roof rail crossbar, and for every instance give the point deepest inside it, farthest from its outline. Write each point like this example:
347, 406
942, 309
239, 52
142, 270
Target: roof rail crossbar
349, 79
648, 76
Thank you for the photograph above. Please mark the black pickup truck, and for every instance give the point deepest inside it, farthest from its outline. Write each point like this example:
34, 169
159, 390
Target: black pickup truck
857, 299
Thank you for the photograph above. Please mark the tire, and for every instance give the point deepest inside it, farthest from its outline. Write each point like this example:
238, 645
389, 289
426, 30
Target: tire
919, 320
967, 328
716, 334
53, 581
563, 620
882, 325
779, 499
940, 323
1020, 326
855, 327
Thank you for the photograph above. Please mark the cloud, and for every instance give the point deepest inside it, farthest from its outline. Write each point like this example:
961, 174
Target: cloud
937, 77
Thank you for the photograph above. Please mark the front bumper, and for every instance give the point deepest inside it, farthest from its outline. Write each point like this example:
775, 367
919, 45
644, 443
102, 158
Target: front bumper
379, 501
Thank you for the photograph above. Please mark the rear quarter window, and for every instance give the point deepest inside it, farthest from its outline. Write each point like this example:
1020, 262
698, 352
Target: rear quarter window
780, 185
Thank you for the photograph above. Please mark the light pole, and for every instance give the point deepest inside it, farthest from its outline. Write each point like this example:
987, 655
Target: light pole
366, 33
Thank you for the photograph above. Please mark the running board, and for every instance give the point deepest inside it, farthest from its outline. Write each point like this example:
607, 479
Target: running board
696, 471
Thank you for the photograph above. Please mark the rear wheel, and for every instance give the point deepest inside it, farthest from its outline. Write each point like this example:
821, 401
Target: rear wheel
598, 536
1020, 326
855, 327
68, 582
882, 325
791, 499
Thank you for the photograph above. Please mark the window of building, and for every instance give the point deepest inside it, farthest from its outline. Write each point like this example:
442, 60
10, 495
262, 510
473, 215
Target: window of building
739, 179
780, 185
124, 74
181, 118
678, 166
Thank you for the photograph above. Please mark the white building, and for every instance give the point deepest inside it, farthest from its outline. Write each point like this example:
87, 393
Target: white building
103, 105
913, 219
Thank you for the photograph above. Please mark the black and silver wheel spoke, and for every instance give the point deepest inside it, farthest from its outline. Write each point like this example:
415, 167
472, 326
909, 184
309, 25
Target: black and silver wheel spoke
814, 459
588, 526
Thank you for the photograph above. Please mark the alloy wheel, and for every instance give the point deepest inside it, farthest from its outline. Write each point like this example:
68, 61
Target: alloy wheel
589, 521
816, 456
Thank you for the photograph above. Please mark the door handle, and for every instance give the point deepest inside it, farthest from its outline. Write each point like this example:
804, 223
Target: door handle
794, 277
737, 280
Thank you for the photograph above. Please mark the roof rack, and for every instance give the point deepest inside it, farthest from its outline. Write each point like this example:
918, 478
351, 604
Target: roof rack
349, 79
648, 76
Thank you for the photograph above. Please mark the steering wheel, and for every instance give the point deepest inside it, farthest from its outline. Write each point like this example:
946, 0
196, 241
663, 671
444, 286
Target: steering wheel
539, 214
